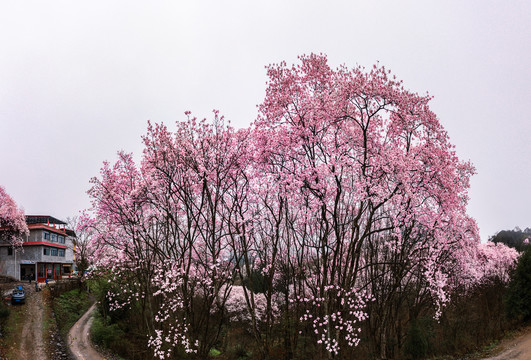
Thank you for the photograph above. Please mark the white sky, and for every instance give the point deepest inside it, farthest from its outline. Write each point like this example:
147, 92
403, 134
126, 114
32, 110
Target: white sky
79, 80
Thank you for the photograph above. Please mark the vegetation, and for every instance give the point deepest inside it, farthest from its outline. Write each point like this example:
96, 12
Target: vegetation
69, 307
115, 330
518, 300
515, 238
472, 321
12, 221
11, 327
334, 227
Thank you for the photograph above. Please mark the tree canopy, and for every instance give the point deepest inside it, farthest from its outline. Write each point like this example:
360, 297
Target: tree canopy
344, 199
12, 220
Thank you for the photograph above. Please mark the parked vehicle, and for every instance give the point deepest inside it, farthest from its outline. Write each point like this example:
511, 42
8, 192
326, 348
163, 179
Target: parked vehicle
18, 296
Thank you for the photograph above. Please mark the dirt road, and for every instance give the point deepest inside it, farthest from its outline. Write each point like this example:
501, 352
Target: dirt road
79, 338
518, 348
31, 345
35, 335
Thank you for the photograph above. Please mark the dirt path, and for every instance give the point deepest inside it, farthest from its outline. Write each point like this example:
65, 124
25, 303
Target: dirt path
518, 348
31, 345
79, 338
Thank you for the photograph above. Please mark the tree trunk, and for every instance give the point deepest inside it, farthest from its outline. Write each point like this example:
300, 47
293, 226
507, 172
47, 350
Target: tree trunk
383, 346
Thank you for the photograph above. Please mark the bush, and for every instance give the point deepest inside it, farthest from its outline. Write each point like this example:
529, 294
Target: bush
105, 335
214, 352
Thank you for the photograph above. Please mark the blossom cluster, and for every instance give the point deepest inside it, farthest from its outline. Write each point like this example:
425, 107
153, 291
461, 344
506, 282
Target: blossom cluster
237, 307
344, 322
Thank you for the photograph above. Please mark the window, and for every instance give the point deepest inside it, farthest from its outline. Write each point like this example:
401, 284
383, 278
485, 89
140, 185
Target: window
54, 237
54, 252
41, 271
61, 239
9, 251
46, 251
46, 235
61, 252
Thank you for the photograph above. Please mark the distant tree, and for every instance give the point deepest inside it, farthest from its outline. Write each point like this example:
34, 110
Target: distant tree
518, 300
512, 238
81, 248
13, 226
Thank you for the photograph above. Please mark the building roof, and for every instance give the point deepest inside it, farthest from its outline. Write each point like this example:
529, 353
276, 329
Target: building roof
71, 233
43, 219
47, 228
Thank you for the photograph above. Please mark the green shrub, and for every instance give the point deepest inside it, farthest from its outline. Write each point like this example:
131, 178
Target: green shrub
105, 335
214, 352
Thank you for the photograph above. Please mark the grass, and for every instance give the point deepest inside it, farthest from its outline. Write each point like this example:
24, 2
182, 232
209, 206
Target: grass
488, 348
68, 308
497, 346
12, 327
48, 322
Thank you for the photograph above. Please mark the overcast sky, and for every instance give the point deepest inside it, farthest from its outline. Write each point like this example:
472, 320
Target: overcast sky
80, 80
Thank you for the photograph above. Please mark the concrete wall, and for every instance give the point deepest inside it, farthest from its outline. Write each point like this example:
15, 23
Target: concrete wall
35, 235
29, 253
69, 252
7, 266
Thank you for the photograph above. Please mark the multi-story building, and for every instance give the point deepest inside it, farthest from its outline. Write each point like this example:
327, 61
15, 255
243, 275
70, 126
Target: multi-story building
47, 252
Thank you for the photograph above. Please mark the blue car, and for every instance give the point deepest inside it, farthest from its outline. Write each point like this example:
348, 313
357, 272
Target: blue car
18, 296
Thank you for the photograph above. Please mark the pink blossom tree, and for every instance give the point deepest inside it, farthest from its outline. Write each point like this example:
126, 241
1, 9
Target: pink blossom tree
340, 209
483, 263
358, 157
165, 224
191, 174
13, 226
